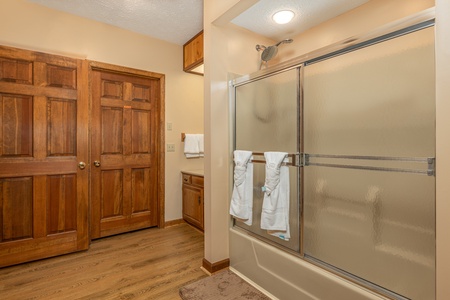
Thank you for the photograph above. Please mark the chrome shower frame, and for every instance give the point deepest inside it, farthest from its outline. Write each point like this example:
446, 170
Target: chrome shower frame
401, 27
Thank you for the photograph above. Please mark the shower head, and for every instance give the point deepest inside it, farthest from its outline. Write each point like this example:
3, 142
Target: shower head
270, 52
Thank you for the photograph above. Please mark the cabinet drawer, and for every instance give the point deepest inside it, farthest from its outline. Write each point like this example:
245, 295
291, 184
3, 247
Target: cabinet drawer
197, 180
186, 178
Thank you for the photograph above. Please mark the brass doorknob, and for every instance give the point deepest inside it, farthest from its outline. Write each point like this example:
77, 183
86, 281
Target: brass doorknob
97, 163
81, 165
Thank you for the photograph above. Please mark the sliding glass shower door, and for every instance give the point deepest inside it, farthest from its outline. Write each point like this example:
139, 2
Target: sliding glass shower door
369, 148
266, 119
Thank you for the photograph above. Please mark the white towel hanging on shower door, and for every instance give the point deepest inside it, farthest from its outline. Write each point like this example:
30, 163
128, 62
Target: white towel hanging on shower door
275, 210
241, 206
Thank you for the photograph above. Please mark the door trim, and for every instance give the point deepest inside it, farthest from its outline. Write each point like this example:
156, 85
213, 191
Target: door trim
99, 66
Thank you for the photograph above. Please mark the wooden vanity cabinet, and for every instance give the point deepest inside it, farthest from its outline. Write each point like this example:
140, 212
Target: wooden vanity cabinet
193, 200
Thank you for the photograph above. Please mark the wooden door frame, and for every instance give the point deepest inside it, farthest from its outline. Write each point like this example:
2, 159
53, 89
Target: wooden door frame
104, 67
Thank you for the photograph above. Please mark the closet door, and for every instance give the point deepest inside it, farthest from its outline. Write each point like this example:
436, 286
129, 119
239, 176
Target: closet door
124, 153
43, 141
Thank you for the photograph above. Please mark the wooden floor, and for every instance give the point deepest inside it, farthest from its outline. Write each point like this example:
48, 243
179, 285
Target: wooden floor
147, 264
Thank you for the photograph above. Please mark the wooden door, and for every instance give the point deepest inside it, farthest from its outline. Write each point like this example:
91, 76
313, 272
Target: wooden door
43, 137
125, 130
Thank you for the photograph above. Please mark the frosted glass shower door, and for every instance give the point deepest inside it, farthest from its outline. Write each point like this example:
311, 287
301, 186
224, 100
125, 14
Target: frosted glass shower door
369, 187
266, 119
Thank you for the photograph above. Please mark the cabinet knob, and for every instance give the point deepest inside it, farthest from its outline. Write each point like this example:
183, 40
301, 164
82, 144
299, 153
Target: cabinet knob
81, 165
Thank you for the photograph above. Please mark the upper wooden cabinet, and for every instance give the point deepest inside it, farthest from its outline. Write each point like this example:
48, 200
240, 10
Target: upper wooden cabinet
193, 55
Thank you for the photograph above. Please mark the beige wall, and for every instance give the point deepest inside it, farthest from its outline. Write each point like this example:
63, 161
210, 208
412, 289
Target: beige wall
31, 26
228, 50
221, 59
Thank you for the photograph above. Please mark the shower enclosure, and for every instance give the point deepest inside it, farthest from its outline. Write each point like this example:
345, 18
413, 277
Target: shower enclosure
359, 123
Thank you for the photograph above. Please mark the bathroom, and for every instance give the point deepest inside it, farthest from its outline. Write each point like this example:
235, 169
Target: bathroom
230, 54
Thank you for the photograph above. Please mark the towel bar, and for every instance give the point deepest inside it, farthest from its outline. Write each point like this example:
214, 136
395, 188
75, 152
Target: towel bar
430, 161
294, 159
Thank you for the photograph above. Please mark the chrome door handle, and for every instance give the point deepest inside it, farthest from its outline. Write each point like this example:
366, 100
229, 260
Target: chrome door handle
97, 163
81, 165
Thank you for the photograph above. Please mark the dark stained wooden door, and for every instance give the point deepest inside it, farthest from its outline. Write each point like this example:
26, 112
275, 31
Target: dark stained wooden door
43, 137
124, 153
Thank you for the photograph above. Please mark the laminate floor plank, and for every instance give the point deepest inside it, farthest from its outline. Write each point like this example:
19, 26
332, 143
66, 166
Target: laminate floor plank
147, 264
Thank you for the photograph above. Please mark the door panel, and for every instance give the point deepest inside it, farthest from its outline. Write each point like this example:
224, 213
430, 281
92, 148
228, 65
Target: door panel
112, 118
17, 208
141, 200
61, 115
369, 132
61, 205
124, 185
267, 119
17, 116
43, 136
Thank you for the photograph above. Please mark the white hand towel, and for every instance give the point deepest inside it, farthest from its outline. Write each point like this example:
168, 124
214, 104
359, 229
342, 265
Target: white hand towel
241, 206
201, 144
275, 210
191, 146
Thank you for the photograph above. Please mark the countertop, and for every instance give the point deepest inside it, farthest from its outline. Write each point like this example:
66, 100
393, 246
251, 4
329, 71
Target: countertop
198, 172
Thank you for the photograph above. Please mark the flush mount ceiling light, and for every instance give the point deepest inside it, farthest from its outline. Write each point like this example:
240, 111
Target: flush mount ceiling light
283, 16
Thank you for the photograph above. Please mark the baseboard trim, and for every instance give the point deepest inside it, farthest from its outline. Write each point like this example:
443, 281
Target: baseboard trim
217, 266
174, 222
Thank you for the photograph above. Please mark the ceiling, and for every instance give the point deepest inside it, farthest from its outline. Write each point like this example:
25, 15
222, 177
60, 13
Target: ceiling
174, 21
308, 14
177, 21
